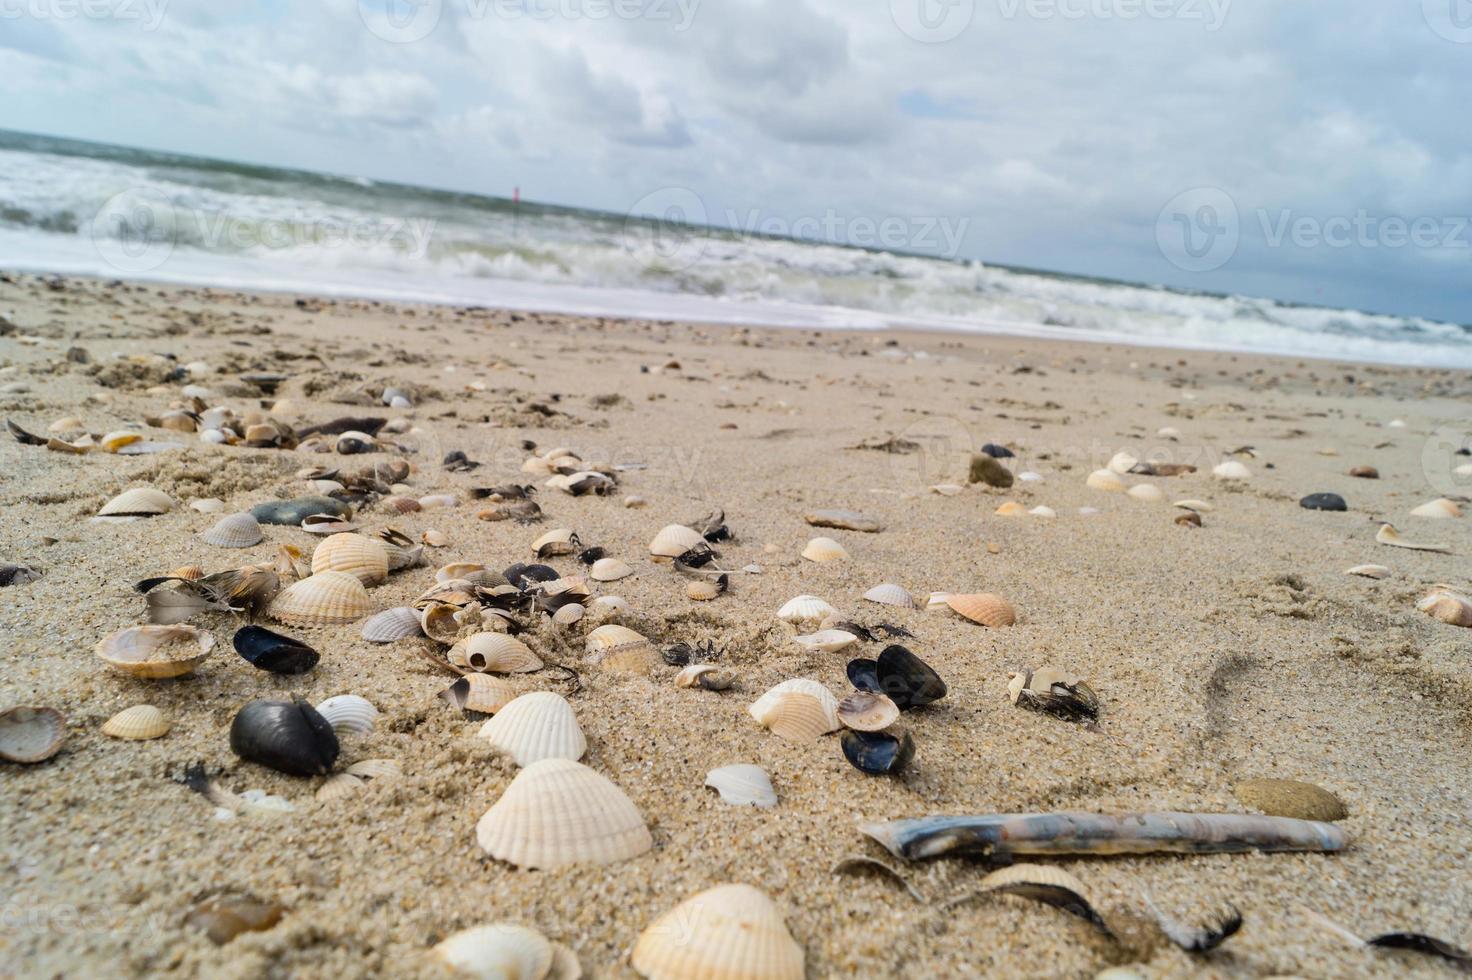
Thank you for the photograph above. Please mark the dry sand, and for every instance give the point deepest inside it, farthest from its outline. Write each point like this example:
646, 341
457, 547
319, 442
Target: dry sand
1237, 650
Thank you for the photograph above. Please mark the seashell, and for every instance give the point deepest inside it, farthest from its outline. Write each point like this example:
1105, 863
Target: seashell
889, 594
215, 436
984, 608
137, 724
1388, 535
339, 786
868, 711
1199, 506
558, 541
235, 531
1147, 492
743, 785
805, 608
1169, 432
392, 624
207, 505
948, 489
138, 502
1042, 511
324, 524
1438, 509
823, 550
441, 622
609, 570
674, 540
353, 443
1030, 477
707, 676
1364, 472
324, 599
610, 607
435, 539
291, 513
606, 641
114, 441
1054, 691
1122, 463
569, 614
1290, 798
536, 726
1011, 509
466, 570
376, 769
1449, 607
1189, 519
435, 500
156, 652
363, 557
907, 680
724, 933
1231, 470
800, 710
847, 520
274, 652
495, 653
1370, 571
480, 692
704, 590
29, 735
68, 424
877, 753
349, 714
1107, 480
827, 641
497, 952
288, 736
556, 813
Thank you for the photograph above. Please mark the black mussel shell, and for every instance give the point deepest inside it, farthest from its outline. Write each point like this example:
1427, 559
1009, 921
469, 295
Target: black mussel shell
908, 680
274, 652
592, 555
293, 512
864, 675
521, 575
997, 452
288, 736
1323, 501
878, 753
1419, 943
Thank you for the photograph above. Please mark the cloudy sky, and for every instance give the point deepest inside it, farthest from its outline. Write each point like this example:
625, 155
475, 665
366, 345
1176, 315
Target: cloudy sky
1311, 150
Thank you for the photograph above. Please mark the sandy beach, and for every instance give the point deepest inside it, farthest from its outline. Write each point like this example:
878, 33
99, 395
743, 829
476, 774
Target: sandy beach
1236, 650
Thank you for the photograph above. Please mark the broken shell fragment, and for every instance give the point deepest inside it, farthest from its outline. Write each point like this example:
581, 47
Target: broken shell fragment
557, 813
730, 932
234, 531
799, 710
226, 916
877, 753
1388, 535
29, 735
156, 652
805, 608
707, 676
983, 608
365, 558
827, 641
536, 726
1370, 571
288, 736
889, 594
867, 711
846, 520
137, 724
1449, 607
324, 599
742, 785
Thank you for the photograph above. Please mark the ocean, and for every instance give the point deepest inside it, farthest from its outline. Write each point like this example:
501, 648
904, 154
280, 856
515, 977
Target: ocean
73, 207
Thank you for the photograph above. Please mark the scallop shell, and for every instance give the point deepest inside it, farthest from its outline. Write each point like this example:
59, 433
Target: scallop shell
323, 599
1105, 480
349, 714
1440, 509
827, 641
138, 723
743, 785
480, 692
364, 558
495, 653
1010, 509
730, 932
156, 652
704, 590
805, 608
568, 615
674, 540
392, 624
536, 726
140, 501
497, 952
1449, 607
1147, 492
29, 735
609, 570
558, 541
612, 640
707, 676
889, 594
1370, 571
867, 711
800, 710
824, 550
235, 531
191, 572
984, 608
1231, 470
557, 813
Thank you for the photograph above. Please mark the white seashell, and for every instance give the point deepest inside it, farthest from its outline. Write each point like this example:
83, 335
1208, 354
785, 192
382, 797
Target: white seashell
375, 769
1042, 511
438, 500
889, 594
536, 726
1169, 432
1370, 571
392, 624
497, 952
207, 505
1088, 511
1122, 463
1231, 470
824, 550
339, 786
610, 607
1106, 480
213, 436
349, 714
827, 641
1449, 607
363, 557
1027, 476
235, 531
674, 540
1388, 535
1464, 470
805, 608
1440, 509
633, 501
800, 710
323, 599
156, 652
557, 813
138, 502
1147, 492
743, 785
138, 723
730, 932
568, 615
937, 600
1398, 424
558, 541
609, 570
620, 648
29, 735
495, 653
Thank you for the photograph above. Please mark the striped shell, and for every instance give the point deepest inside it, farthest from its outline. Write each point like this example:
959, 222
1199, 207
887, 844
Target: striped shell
824, 550
703, 590
1106, 480
557, 813
984, 608
609, 570
323, 599
138, 723
730, 932
349, 714
536, 726
621, 648
234, 531
805, 608
364, 558
480, 692
144, 501
1440, 509
800, 710
674, 540
339, 786
743, 785
889, 594
495, 653
498, 952
156, 652
866, 711
392, 624
29, 735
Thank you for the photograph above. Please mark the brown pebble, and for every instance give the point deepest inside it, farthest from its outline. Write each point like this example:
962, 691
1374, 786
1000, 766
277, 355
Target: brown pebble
1290, 798
1365, 472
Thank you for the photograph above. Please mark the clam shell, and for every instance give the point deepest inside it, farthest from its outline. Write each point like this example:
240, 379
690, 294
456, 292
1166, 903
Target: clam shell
156, 652
622, 648
1106, 480
1199, 506
1122, 463
827, 641
805, 608
707, 676
1370, 571
349, 714
889, 594
480, 692
558, 541
497, 952
339, 786
674, 540
609, 570
435, 539
438, 500
29, 735
138, 723
441, 622
800, 710
365, 558
730, 932
568, 615
207, 505
1449, 607
324, 599
557, 813
495, 653
743, 785
536, 726
1440, 509
1231, 470
1148, 492
234, 531
140, 501
867, 711
984, 608
824, 550
1011, 509
392, 624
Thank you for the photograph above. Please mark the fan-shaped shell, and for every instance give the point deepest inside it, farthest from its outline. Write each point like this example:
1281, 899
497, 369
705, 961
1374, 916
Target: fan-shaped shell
323, 599
138, 723
349, 714
1450, 608
568, 615
364, 558
800, 710
867, 711
1231, 470
156, 652
827, 641
824, 550
674, 540
1147, 492
704, 590
889, 594
1440, 509
984, 608
557, 813
730, 932
805, 608
536, 726
498, 952
609, 570
140, 501
612, 640
339, 786
234, 531
1107, 480
480, 692
743, 785
29, 735
495, 653
392, 624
